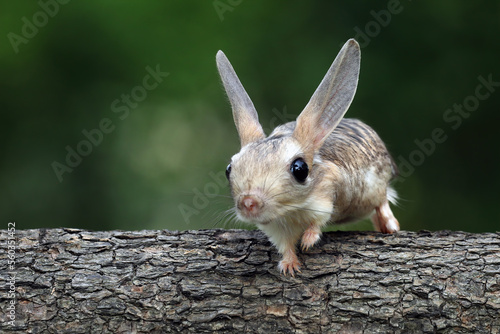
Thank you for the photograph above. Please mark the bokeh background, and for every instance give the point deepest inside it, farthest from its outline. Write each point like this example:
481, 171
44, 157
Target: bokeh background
67, 66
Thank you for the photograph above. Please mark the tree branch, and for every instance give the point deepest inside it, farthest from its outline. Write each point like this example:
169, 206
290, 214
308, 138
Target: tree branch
76, 281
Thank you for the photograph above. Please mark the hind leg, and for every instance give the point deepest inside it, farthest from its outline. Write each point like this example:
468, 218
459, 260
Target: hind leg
383, 219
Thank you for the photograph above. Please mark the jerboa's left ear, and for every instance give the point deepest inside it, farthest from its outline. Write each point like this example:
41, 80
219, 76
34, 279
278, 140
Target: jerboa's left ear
244, 113
330, 101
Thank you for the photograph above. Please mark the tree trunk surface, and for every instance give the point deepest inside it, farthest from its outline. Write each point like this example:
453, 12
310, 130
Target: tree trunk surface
77, 281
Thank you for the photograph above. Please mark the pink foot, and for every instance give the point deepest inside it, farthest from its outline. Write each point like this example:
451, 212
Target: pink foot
310, 237
383, 219
290, 263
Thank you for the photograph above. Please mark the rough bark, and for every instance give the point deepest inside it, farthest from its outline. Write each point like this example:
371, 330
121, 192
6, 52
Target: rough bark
76, 281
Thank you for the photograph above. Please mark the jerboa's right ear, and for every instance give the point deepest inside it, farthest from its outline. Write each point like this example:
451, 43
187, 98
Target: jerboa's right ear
330, 101
244, 113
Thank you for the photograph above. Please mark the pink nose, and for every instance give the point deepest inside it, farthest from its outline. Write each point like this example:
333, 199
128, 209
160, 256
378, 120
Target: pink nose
250, 205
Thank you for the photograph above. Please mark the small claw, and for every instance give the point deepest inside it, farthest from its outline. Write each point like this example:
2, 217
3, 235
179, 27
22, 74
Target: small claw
290, 263
286, 269
305, 247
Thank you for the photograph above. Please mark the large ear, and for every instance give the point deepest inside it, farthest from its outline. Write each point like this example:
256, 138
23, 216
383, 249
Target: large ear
244, 113
330, 101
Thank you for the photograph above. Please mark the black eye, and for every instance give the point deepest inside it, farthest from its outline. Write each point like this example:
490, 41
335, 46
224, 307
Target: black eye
300, 170
228, 171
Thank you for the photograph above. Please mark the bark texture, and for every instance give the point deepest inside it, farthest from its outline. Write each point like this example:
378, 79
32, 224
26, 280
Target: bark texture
76, 281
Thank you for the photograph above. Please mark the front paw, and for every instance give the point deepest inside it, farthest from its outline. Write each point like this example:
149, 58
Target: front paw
310, 237
289, 264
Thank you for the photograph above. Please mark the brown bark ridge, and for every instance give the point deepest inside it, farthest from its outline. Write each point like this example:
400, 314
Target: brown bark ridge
77, 281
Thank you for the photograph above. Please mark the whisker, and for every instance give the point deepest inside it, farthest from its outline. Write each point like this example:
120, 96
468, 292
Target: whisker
278, 194
222, 217
307, 209
283, 223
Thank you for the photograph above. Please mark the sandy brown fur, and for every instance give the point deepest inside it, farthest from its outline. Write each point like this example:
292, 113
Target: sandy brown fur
319, 169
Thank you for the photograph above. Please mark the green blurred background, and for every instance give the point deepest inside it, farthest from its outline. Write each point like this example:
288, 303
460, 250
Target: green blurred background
66, 67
